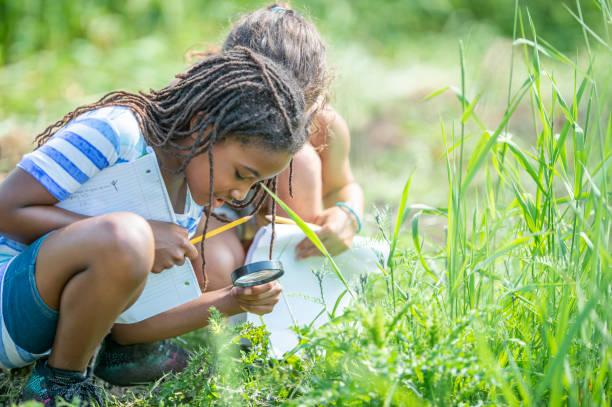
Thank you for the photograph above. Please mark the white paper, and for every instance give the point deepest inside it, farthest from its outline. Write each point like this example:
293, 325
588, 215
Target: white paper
138, 187
302, 296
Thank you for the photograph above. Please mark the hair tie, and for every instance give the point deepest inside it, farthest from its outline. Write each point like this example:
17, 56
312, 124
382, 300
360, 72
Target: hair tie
278, 9
348, 208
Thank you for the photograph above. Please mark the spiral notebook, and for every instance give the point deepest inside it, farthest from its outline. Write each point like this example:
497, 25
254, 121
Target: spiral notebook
138, 187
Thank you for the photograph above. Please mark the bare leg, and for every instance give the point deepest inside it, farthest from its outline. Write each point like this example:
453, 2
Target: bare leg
224, 253
91, 271
307, 198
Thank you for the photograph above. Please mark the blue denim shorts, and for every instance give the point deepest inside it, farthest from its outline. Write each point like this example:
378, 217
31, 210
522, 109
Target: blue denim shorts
30, 322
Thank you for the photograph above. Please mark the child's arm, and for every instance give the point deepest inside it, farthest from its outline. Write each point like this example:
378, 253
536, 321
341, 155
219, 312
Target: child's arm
27, 212
51, 173
194, 314
26, 208
339, 185
339, 225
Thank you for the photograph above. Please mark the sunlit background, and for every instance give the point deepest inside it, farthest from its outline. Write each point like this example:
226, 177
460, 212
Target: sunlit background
497, 289
386, 57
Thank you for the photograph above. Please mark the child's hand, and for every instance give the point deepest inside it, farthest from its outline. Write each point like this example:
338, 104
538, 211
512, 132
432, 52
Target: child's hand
337, 231
259, 299
172, 245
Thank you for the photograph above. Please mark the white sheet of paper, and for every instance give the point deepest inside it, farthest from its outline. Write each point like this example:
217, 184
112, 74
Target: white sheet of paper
302, 297
138, 187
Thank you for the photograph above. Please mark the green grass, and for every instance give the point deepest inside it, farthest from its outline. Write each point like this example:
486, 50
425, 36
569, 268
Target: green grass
512, 307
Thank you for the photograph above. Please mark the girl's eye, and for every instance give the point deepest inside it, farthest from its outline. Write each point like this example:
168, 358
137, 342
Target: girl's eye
238, 176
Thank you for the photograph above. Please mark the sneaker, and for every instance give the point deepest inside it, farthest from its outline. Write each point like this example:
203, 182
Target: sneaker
47, 385
139, 363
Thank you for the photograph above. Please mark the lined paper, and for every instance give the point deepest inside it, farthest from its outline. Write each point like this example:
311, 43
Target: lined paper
303, 297
138, 187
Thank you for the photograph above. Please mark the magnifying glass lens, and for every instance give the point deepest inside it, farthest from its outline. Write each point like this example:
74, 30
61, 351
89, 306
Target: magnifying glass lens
256, 276
257, 273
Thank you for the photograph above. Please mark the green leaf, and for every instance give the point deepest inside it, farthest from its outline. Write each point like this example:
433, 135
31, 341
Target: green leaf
468, 111
417, 244
478, 158
399, 218
556, 364
312, 236
586, 27
518, 153
436, 93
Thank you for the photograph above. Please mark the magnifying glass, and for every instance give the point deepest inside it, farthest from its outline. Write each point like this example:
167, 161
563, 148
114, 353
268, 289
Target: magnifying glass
257, 273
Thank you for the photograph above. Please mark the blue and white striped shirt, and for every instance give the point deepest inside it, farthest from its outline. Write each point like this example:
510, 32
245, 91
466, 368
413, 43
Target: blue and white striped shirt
88, 144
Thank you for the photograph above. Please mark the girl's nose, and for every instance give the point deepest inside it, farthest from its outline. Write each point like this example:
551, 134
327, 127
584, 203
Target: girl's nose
239, 194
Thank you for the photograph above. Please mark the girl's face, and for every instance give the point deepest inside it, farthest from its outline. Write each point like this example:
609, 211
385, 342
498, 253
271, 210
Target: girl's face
236, 167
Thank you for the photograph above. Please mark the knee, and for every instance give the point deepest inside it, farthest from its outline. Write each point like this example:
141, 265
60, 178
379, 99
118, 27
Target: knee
125, 246
224, 257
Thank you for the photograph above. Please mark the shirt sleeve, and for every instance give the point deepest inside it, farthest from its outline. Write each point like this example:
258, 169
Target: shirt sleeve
74, 154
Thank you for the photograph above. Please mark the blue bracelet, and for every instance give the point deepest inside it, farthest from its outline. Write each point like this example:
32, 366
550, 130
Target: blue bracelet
345, 206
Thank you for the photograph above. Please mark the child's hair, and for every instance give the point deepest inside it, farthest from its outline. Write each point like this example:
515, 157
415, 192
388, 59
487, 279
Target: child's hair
287, 38
235, 94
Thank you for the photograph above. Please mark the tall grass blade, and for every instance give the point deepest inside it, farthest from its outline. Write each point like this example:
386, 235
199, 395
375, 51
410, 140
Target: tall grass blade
482, 154
398, 220
587, 28
312, 236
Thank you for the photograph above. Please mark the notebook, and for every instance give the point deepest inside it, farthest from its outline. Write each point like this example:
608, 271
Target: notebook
138, 187
304, 299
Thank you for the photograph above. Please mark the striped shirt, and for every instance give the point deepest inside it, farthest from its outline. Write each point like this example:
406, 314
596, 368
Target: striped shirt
88, 144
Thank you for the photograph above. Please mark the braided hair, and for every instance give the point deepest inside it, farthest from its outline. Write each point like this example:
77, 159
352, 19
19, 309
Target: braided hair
285, 36
236, 94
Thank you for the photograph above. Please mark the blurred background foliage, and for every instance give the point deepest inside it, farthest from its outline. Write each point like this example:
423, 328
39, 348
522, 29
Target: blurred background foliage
30, 26
530, 258
386, 57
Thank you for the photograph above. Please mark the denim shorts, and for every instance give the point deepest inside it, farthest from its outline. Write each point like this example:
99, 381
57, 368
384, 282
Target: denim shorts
30, 322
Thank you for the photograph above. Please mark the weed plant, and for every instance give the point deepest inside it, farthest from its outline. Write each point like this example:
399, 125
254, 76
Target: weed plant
513, 310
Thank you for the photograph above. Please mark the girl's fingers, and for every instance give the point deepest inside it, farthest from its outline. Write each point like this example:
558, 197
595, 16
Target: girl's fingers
273, 299
191, 252
257, 292
305, 252
323, 234
258, 299
313, 251
267, 302
306, 248
304, 245
258, 310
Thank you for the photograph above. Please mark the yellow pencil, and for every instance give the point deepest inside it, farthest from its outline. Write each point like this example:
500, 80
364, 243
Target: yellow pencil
288, 221
220, 229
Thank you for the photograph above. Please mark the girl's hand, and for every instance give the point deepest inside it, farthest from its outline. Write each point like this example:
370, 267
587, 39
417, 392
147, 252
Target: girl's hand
172, 245
338, 228
259, 299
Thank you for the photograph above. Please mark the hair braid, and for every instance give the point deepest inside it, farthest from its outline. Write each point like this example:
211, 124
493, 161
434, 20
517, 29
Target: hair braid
236, 94
291, 178
274, 185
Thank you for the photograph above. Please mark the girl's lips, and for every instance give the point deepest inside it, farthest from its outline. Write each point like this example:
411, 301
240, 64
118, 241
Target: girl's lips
218, 202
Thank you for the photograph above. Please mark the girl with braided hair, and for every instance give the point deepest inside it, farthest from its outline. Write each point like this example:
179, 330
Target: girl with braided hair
231, 121
324, 190
319, 185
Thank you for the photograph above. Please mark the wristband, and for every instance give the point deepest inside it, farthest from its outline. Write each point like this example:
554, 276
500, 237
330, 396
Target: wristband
348, 208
